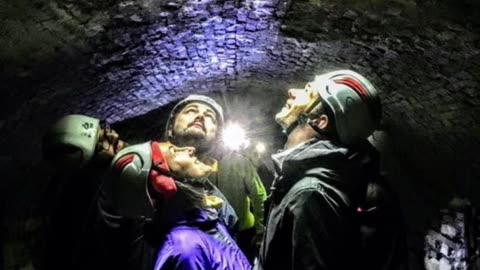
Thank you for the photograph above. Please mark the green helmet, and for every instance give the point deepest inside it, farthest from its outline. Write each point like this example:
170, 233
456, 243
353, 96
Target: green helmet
193, 98
72, 139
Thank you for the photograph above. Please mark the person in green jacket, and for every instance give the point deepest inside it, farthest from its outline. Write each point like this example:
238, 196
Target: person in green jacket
238, 180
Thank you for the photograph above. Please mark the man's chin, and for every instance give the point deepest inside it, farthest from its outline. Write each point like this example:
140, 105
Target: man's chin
197, 140
195, 132
281, 120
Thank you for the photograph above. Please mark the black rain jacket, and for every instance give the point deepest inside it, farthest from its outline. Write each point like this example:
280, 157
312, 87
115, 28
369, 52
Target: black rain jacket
311, 223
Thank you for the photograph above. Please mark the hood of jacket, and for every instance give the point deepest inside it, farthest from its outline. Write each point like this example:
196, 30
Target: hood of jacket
333, 164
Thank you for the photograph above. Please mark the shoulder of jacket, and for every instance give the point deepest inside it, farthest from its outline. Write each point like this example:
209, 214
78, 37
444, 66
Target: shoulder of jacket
303, 187
306, 183
186, 239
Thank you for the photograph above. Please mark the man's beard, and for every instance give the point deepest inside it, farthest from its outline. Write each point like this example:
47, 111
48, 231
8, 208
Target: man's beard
201, 144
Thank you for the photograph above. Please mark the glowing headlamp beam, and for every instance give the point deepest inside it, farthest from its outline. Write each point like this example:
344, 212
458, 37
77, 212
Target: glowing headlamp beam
260, 147
234, 137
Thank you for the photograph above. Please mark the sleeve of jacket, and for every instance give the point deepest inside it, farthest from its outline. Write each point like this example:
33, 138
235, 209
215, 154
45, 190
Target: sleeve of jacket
257, 195
318, 229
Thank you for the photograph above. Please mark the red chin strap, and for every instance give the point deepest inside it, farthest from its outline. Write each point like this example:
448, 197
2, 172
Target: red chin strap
162, 183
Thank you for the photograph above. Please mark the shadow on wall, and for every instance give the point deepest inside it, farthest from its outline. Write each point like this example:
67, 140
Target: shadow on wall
420, 199
416, 211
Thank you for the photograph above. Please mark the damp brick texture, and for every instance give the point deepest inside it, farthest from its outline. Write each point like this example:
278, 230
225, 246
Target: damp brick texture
126, 60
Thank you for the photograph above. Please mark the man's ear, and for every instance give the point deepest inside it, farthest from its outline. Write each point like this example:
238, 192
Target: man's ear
321, 122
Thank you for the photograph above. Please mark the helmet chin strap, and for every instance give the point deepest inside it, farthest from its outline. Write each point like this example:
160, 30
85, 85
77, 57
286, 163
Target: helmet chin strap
304, 119
162, 171
301, 120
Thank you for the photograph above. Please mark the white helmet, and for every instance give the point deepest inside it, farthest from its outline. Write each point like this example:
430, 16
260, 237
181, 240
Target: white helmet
73, 137
354, 102
193, 98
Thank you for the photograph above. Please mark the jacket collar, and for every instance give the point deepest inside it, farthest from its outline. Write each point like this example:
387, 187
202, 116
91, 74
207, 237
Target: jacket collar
307, 155
314, 157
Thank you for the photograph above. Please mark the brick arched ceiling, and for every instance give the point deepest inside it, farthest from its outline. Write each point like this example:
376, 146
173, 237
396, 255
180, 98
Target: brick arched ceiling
124, 60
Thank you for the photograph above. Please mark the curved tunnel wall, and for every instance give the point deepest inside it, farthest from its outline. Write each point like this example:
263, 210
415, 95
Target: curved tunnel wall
125, 61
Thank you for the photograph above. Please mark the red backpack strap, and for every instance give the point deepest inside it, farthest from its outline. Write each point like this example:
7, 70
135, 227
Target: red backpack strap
163, 184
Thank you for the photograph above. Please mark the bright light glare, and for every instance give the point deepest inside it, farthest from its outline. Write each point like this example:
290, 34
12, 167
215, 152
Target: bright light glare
260, 147
235, 137
301, 97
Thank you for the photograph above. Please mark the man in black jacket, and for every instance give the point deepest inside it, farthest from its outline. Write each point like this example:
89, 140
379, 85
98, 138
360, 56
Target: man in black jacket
320, 176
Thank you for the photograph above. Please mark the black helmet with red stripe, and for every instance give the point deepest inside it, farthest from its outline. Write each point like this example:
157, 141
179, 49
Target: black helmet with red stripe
354, 101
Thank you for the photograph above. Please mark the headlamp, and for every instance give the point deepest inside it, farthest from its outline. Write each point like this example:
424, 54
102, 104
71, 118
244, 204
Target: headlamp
260, 148
234, 137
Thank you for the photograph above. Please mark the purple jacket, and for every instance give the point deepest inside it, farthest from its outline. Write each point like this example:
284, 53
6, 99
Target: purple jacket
200, 243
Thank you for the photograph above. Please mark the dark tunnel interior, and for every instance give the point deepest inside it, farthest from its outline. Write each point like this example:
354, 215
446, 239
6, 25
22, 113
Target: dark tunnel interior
129, 62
